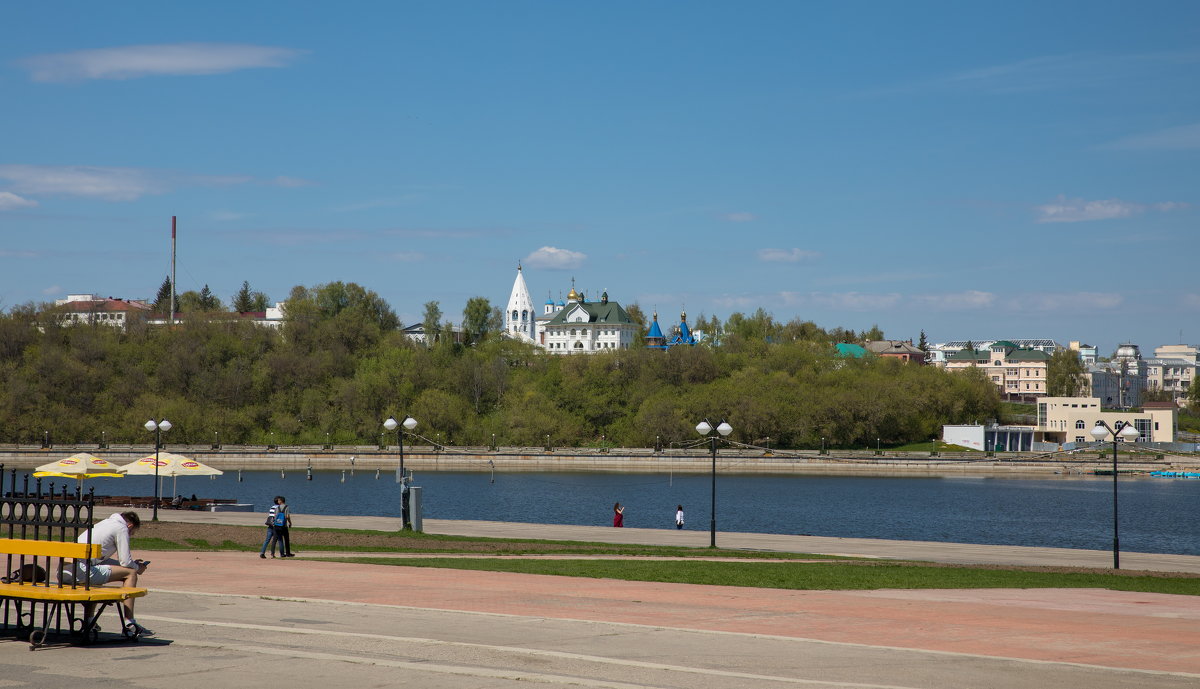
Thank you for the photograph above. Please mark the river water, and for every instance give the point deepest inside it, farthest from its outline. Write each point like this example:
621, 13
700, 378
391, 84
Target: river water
1156, 515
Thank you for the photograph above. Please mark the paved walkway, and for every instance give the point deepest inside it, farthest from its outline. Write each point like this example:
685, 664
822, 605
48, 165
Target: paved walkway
931, 551
232, 619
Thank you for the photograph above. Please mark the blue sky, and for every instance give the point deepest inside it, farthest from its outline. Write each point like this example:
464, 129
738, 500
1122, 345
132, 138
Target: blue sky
976, 170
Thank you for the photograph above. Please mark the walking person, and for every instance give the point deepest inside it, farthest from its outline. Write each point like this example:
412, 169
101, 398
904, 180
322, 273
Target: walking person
679, 516
618, 515
283, 526
272, 538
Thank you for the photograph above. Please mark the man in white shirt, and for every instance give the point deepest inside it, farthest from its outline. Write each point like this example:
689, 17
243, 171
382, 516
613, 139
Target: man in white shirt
112, 535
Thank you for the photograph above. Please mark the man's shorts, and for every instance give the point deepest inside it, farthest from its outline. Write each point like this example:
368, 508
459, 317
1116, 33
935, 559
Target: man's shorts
96, 575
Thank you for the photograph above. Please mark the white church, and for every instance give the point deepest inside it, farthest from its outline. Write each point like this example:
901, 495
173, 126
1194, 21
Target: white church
575, 326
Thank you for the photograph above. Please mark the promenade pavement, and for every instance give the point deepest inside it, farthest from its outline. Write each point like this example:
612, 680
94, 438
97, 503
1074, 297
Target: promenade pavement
232, 619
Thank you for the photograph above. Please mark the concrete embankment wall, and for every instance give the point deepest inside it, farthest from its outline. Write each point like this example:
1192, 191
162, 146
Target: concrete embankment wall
616, 461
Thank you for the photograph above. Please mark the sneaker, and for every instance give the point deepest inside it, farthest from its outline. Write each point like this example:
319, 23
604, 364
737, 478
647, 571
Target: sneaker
142, 631
262, 556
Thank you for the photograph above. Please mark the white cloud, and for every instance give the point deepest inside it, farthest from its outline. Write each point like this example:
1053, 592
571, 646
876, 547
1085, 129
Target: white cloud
1183, 138
111, 183
407, 256
1070, 71
133, 61
1067, 302
283, 181
52, 289
9, 201
846, 301
786, 255
740, 217
108, 183
957, 301
555, 259
1063, 209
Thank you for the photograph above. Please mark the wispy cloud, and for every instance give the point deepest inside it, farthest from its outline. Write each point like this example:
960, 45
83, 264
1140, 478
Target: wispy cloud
1063, 209
965, 300
740, 217
1183, 138
406, 256
10, 201
1070, 302
956, 301
553, 258
177, 59
288, 182
17, 254
1191, 301
111, 183
1050, 73
786, 255
52, 289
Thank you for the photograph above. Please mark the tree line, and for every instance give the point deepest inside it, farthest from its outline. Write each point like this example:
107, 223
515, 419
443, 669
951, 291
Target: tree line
340, 364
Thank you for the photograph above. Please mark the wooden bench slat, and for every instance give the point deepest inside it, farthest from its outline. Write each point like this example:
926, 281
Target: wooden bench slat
28, 546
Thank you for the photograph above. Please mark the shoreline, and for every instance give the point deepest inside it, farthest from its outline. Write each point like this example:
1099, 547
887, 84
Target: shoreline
638, 460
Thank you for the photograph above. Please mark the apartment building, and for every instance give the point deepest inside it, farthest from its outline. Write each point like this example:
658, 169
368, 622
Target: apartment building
1016, 371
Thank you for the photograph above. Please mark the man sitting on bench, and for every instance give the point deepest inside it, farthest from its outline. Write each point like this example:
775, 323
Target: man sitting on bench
112, 535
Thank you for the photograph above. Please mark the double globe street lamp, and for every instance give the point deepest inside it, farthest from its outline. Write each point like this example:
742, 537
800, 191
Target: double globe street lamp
1119, 430
705, 429
407, 424
158, 428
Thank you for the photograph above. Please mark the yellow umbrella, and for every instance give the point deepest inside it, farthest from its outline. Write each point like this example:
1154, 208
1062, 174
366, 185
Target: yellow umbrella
79, 466
169, 464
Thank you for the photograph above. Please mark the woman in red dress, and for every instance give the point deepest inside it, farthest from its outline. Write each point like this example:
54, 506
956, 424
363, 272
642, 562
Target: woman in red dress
618, 515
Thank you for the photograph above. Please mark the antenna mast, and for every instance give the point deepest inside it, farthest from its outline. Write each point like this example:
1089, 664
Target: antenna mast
171, 318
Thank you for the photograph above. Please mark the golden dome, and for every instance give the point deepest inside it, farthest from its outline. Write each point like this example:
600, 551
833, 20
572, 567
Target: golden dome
572, 295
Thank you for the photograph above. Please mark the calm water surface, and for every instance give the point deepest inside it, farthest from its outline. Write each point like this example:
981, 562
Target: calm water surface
1071, 512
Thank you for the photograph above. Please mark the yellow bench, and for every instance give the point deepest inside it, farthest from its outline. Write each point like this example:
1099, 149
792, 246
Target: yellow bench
53, 594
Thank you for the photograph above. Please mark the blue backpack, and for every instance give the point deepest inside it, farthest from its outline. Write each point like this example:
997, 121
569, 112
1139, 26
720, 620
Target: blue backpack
281, 516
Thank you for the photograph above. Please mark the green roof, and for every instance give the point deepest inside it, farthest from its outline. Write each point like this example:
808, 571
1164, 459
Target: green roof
970, 355
851, 350
1028, 355
1002, 343
609, 312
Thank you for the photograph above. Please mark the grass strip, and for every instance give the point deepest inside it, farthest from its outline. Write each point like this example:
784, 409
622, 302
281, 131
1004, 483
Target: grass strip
808, 576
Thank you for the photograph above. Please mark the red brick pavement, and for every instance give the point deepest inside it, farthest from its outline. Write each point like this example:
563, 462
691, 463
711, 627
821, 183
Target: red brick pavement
1107, 628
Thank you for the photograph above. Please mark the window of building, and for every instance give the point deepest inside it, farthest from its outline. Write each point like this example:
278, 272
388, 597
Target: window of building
1080, 439
1080, 425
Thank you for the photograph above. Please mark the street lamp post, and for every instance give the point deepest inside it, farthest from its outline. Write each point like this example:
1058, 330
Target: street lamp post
705, 429
1119, 430
157, 428
408, 424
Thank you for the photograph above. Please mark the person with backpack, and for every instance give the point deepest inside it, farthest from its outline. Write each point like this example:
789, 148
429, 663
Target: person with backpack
278, 522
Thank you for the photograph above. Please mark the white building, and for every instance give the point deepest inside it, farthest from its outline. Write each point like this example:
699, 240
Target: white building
519, 318
938, 353
584, 327
87, 309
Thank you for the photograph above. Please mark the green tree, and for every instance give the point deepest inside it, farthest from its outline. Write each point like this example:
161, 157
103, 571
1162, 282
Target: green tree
923, 344
1065, 374
476, 319
432, 323
162, 300
248, 300
872, 335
